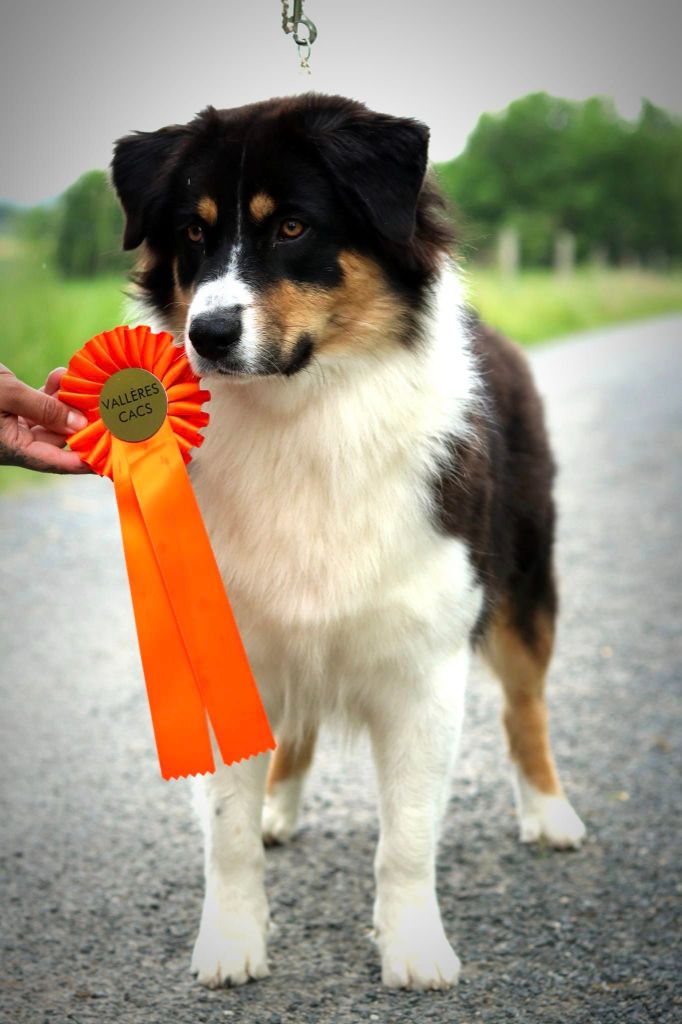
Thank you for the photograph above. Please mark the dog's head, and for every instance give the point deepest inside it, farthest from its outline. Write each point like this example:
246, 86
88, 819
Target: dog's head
283, 231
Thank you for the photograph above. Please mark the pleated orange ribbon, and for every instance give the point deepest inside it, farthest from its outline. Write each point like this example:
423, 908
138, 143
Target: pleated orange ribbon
143, 404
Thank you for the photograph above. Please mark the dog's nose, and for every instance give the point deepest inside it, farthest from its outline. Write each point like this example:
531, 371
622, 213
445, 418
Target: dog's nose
214, 334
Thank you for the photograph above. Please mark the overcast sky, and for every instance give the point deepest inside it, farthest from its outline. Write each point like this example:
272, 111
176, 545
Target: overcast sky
77, 74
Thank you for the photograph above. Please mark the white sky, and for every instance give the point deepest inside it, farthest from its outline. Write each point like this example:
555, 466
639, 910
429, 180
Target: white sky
77, 74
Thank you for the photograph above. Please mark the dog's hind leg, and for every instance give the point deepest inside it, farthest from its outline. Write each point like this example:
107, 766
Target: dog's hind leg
286, 778
519, 655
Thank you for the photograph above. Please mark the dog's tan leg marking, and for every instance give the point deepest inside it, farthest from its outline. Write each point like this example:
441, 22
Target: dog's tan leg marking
291, 759
286, 778
522, 669
521, 665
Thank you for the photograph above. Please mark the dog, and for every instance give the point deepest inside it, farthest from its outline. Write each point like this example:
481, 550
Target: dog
376, 481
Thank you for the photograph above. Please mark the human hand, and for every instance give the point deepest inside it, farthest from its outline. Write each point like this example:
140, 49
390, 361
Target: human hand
35, 426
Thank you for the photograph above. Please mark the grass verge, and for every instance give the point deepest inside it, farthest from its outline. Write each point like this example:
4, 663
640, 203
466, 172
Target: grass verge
44, 319
538, 305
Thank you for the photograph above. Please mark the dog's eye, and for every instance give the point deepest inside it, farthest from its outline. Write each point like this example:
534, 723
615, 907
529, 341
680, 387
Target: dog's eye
291, 228
195, 233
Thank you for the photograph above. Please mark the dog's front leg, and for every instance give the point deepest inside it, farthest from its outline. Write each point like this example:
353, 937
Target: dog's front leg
414, 742
231, 946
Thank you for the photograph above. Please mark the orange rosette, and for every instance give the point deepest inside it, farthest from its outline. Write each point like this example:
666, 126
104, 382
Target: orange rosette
143, 404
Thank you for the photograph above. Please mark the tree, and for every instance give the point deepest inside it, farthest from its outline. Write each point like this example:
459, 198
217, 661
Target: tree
90, 228
8, 217
547, 164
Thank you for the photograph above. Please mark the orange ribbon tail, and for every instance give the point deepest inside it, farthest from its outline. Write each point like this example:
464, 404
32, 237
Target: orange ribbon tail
193, 613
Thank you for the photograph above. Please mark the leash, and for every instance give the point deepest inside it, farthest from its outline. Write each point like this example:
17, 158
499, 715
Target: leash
303, 30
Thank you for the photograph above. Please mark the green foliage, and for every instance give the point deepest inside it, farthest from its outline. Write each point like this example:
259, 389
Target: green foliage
79, 234
45, 318
539, 304
37, 227
90, 228
8, 216
548, 164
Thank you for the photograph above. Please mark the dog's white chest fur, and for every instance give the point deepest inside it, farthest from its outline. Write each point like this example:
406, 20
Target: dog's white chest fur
315, 491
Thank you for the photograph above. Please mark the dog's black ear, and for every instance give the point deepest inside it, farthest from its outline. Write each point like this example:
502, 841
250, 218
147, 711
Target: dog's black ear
141, 170
377, 161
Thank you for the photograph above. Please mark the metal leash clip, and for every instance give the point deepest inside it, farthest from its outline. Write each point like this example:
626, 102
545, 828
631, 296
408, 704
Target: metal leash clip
303, 29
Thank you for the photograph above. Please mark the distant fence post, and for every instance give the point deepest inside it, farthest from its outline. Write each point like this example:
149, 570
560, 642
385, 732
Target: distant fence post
564, 253
599, 257
631, 260
508, 252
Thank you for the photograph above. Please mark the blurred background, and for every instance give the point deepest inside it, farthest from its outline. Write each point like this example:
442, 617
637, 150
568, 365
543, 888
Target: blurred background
556, 135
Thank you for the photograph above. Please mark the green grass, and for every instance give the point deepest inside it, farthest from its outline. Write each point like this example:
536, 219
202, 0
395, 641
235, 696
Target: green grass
537, 305
44, 319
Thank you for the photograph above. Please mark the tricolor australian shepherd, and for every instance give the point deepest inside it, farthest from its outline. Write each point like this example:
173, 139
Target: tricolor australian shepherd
376, 481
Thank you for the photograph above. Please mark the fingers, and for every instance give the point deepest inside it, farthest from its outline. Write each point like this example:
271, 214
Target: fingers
39, 407
34, 425
47, 436
48, 458
54, 379
50, 387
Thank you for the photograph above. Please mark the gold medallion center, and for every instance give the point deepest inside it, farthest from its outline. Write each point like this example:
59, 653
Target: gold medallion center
133, 404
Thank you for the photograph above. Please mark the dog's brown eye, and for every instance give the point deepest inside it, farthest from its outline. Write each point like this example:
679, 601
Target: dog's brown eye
291, 228
195, 233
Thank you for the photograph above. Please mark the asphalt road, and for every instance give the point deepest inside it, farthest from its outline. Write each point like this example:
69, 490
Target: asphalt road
102, 866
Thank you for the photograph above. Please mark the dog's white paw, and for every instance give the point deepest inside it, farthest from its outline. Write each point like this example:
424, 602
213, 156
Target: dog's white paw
280, 811
414, 951
229, 952
408, 963
551, 819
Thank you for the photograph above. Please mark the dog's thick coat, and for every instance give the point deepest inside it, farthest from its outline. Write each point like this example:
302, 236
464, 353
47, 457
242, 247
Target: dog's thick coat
376, 482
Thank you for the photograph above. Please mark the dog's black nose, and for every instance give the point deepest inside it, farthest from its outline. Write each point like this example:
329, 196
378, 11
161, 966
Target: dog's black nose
214, 334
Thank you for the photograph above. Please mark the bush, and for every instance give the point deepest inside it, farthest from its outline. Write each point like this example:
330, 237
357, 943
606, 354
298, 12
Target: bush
90, 229
548, 164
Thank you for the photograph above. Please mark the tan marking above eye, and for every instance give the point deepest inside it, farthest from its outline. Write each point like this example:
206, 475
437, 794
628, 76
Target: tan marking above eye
291, 228
261, 206
207, 209
195, 233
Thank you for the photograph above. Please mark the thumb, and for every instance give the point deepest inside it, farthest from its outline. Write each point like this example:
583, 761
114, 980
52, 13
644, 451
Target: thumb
42, 409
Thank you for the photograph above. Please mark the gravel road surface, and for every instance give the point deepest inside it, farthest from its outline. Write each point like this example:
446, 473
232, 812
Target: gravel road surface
102, 864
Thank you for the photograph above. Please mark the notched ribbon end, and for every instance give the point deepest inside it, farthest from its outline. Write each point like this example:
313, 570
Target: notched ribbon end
247, 757
176, 775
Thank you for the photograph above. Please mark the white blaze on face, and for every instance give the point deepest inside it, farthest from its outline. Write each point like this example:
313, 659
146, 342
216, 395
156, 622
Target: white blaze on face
222, 293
